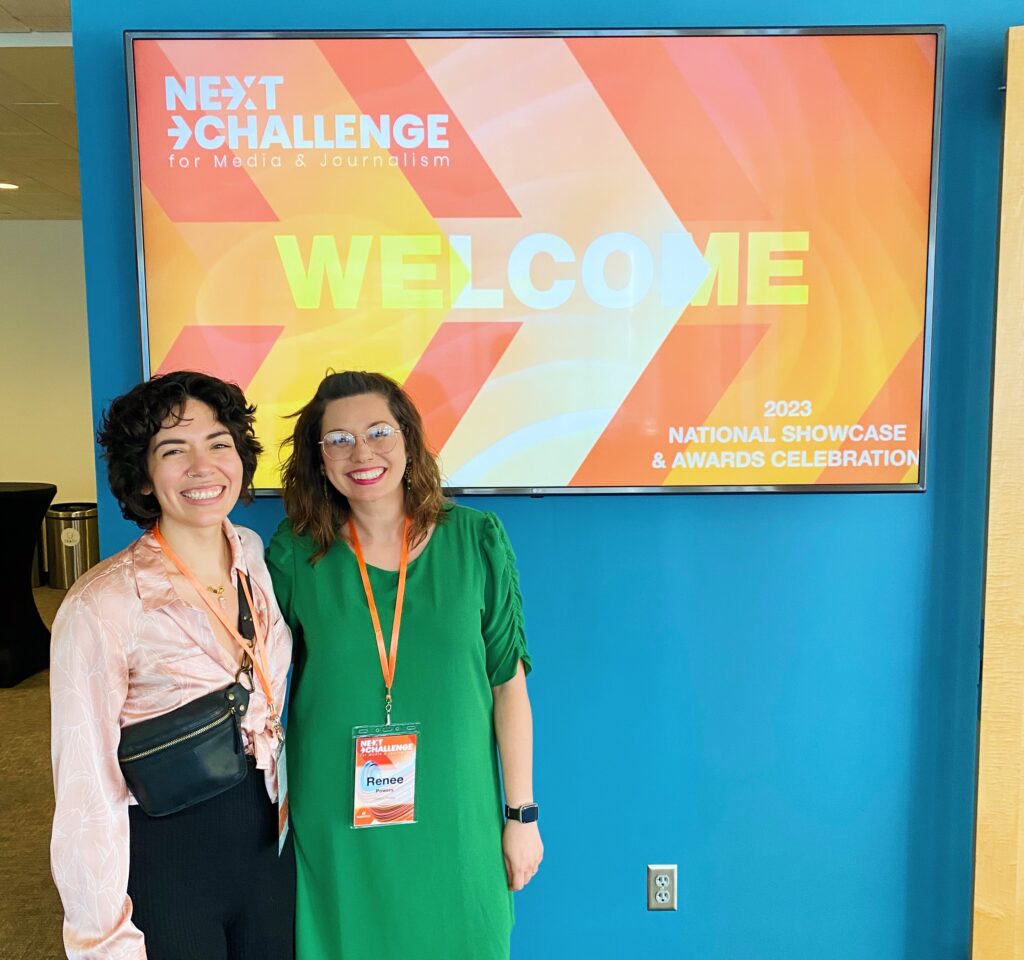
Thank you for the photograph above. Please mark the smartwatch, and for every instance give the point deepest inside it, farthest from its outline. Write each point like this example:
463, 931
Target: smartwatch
527, 813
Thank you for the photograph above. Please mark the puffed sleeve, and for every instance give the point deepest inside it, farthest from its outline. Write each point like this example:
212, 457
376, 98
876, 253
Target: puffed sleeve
281, 564
502, 622
89, 847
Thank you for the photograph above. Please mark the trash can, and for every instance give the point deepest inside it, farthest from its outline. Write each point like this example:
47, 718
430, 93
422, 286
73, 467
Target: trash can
72, 542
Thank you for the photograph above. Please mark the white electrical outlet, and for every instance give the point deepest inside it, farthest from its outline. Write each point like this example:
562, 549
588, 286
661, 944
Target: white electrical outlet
661, 886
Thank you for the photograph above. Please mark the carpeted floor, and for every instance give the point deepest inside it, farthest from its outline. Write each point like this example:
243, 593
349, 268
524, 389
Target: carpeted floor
30, 910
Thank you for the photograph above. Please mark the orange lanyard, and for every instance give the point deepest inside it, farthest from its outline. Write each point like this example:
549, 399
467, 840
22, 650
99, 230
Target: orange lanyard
257, 652
387, 663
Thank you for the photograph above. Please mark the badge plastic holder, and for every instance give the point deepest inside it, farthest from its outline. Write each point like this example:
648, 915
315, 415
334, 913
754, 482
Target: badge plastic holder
384, 768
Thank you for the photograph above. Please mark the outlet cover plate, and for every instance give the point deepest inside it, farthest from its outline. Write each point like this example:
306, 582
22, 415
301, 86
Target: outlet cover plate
661, 886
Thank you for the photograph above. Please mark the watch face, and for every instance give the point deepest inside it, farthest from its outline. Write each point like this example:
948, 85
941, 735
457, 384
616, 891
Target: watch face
529, 813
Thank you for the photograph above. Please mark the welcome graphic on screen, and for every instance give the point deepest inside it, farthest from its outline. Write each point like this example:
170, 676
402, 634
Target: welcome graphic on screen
594, 262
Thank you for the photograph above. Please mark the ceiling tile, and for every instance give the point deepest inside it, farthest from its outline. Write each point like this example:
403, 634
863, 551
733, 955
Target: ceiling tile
48, 24
13, 88
20, 204
54, 119
34, 146
55, 206
27, 188
43, 204
59, 175
12, 172
10, 122
38, 139
30, 188
24, 9
9, 24
37, 73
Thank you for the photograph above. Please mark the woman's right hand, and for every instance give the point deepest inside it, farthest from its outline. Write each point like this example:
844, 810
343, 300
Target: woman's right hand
523, 851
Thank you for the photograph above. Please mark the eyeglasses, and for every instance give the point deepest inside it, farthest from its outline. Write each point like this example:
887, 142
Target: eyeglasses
340, 444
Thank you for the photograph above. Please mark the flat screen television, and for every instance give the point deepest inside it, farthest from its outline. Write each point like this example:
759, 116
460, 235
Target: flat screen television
599, 261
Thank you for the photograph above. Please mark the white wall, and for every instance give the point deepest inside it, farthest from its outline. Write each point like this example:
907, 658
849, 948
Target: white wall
44, 358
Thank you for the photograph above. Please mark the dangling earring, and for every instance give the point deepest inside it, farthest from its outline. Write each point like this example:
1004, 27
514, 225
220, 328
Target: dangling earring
405, 474
323, 481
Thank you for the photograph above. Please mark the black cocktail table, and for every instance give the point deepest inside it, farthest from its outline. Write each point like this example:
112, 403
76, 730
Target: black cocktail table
24, 639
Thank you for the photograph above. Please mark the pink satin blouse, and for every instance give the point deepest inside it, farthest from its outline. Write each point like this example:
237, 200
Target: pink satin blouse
126, 648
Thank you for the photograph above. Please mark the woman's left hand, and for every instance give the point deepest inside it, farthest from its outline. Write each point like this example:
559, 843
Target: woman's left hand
523, 850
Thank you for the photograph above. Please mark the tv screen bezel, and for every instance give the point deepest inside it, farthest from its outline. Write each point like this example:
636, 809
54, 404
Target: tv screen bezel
936, 30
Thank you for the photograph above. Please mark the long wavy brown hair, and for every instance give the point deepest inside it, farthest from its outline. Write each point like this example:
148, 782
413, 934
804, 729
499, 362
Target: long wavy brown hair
314, 506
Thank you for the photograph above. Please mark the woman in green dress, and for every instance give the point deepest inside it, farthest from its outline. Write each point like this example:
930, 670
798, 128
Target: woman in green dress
407, 615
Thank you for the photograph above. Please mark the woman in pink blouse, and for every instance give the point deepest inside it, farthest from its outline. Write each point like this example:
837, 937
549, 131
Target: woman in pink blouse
134, 640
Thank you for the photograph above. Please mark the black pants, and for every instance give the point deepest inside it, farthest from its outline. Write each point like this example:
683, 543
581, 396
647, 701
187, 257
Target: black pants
207, 884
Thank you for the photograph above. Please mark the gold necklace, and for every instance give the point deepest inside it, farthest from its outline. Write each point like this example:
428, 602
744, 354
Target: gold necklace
218, 592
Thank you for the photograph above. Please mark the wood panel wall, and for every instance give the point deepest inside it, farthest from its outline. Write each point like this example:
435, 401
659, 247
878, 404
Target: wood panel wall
999, 858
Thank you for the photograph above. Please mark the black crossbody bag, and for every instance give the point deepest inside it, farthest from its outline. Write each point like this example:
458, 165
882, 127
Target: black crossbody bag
195, 752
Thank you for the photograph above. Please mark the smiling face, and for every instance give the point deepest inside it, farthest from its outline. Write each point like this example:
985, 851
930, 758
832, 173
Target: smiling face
195, 472
368, 475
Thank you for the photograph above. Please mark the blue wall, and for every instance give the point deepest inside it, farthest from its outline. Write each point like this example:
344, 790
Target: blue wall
803, 667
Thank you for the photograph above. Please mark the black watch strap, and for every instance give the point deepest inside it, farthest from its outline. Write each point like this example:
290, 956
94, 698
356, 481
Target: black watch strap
527, 813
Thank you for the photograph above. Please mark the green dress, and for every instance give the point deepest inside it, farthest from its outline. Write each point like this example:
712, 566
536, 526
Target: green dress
435, 889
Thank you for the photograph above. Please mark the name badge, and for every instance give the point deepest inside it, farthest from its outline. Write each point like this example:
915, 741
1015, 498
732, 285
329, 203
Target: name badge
385, 774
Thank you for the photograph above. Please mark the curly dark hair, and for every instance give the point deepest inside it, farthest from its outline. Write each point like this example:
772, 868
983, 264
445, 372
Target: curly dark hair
132, 420
323, 513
